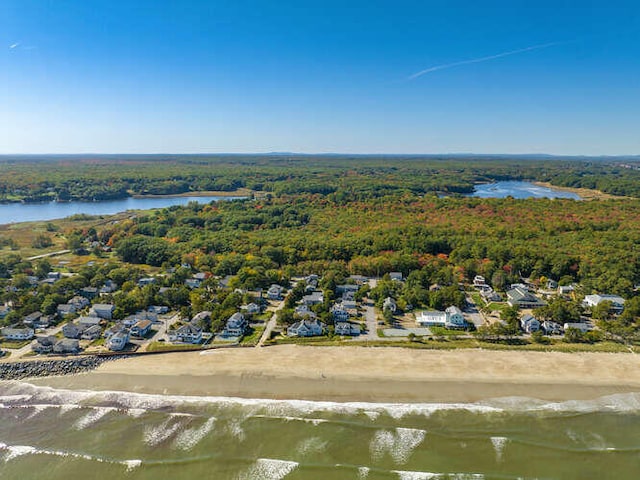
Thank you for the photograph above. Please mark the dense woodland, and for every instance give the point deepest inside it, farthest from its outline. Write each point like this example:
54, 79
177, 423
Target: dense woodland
336, 217
34, 179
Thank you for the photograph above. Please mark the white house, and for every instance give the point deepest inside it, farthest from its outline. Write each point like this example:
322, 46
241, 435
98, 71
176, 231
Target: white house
529, 324
389, 304
118, 341
236, 326
520, 297
314, 298
10, 333
141, 328
91, 333
455, 319
452, 317
583, 327
187, 333
617, 303
274, 292
306, 328
479, 281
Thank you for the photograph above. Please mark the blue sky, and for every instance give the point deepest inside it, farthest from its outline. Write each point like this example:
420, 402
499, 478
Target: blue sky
333, 76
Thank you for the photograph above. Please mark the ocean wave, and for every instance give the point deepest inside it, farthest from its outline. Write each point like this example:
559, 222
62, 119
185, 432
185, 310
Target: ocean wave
92, 417
408, 475
269, 469
15, 451
15, 391
189, 438
399, 444
154, 435
311, 446
498, 445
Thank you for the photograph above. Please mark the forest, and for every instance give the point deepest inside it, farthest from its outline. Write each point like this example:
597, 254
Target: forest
100, 177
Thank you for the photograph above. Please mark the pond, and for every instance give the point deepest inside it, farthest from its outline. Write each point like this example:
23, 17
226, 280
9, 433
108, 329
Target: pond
520, 190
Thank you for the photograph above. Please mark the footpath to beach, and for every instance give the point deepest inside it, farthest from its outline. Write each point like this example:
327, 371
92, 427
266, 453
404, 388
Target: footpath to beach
366, 374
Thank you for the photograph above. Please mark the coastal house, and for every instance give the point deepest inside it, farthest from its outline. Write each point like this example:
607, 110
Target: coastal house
552, 284
71, 330
187, 333
13, 333
479, 281
131, 320
566, 290
236, 326
617, 302
314, 298
118, 341
274, 292
583, 327
54, 276
455, 318
347, 288
109, 332
193, 282
102, 310
43, 344
79, 302
551, 328
490, 295
303, 311
347, 329
143, 282
452, 318
397, 276
88, 321
339, 313
108, 287
389, 304
201, 319
141, 328
529, 324
158, 309
91, 333
521, 297
66, 345
65, 309
251, 308
89, 292
32, 319
306, 328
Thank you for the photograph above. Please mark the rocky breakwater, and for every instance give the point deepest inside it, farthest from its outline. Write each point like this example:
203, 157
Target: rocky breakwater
46, 368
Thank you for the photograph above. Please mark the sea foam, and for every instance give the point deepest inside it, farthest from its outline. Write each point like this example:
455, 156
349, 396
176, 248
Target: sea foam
269, 469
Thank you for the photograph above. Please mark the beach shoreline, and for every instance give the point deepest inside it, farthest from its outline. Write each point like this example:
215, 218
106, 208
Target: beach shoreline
360, 374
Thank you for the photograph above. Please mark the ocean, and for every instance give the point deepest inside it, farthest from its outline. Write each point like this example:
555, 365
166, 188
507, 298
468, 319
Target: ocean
48, 433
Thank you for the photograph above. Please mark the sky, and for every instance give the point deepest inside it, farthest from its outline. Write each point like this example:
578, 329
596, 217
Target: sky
448, 76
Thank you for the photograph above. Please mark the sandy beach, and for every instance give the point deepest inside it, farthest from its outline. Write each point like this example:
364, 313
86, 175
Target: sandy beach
365, 374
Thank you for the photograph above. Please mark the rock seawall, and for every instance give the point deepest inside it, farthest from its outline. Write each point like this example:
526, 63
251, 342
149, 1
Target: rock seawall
46, 368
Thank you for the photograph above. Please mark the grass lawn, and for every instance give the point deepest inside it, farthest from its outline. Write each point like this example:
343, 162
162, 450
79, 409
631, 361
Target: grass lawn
169, 347
14, 343
252, 336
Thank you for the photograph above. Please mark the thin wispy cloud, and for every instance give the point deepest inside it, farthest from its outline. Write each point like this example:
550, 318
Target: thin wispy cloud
481, 59
14, 45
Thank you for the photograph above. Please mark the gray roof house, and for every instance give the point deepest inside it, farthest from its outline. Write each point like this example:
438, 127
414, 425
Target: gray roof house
529, 324
71, 330
347, 328
314, 298
389, 304
274, 292
236, 326
12, 333
521, 297
103, 310
66, 345
118, 341
187, 333
43, 344
91, 333
306, 328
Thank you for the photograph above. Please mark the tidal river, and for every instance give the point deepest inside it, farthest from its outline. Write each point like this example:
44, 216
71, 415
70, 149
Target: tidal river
52, 434
32, 212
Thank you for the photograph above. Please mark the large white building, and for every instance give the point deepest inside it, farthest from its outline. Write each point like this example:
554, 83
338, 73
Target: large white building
451, 318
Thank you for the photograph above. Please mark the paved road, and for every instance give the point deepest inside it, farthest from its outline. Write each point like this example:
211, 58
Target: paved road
371, 322
472, 313
52, 254
271, 324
